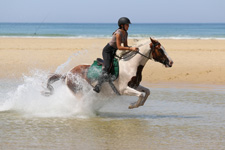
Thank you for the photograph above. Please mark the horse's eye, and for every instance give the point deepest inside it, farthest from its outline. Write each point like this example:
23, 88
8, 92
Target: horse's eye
161, 51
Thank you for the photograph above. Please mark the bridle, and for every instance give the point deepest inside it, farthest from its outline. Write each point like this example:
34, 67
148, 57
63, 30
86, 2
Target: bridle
152, 49
137, 52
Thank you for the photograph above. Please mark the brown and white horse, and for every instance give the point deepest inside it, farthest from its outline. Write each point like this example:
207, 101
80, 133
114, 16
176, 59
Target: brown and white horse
130, 73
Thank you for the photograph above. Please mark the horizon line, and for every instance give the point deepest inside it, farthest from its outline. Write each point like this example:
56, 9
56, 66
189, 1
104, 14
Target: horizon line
116, 23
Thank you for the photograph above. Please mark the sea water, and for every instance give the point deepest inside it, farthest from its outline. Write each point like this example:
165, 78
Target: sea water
173, 117
105, 30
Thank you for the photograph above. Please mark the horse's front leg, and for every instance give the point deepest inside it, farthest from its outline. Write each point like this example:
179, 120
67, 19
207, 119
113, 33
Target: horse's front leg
133, 92
147, 93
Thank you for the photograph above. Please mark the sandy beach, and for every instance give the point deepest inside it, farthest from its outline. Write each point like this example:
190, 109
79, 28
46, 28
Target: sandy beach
195, 61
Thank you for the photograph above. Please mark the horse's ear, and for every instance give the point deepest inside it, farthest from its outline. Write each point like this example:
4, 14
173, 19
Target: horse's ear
152, 40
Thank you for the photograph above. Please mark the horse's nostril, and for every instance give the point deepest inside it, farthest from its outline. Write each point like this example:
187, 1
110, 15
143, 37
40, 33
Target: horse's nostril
171, 63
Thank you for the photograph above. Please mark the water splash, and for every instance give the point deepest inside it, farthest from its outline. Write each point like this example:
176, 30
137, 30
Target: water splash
27, 99
65, 67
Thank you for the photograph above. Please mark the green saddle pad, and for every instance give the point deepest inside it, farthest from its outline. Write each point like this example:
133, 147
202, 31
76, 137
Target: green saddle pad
96, 70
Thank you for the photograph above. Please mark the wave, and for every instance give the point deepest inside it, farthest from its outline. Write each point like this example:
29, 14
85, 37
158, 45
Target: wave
102, 36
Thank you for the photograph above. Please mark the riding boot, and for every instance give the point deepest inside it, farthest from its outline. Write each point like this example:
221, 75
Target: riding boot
103, 78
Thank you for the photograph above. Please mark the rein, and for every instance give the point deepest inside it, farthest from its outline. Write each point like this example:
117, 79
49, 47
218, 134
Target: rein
152, 49
148, 57
137, 52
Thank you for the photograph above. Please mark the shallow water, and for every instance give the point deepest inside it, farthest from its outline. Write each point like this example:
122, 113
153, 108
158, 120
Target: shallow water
174, 117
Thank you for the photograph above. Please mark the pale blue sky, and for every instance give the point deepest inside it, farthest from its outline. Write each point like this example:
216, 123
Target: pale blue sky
108, 11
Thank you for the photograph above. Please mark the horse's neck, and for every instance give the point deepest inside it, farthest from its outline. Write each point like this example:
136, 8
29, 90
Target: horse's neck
138, 59
141, 60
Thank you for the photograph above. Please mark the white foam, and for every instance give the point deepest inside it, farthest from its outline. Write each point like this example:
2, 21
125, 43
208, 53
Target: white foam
28, 100
135, 36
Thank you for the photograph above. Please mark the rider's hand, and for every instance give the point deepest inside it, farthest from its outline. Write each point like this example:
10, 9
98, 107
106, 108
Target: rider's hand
134, 48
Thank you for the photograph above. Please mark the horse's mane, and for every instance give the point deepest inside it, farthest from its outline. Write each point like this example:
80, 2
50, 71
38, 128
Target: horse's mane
127, 55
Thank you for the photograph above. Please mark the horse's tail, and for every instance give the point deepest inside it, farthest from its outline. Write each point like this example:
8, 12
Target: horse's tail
53, 78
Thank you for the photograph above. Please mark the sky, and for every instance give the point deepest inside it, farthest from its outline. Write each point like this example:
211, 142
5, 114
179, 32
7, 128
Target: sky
109, 11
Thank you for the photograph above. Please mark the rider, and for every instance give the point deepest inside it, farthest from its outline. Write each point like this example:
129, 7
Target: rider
109, 51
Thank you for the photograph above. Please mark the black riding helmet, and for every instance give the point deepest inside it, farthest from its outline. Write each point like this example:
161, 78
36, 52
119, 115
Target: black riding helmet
123, 20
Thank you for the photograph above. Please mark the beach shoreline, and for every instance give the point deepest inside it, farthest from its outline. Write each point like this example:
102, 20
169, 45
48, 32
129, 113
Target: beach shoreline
196, 61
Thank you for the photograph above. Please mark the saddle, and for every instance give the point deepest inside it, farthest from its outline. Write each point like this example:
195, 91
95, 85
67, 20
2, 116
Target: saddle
96, 69
100, 62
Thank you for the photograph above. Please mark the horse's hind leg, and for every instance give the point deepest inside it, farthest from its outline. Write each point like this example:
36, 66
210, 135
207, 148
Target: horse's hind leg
74, 77
51, 79
72, 82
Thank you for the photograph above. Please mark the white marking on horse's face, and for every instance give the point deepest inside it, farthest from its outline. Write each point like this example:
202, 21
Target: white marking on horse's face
170, 60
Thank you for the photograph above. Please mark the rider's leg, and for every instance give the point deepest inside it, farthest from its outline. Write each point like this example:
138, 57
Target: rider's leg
104, 76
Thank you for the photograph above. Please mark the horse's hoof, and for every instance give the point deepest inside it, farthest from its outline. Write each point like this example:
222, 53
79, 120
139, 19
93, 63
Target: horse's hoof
133, 105
130, 107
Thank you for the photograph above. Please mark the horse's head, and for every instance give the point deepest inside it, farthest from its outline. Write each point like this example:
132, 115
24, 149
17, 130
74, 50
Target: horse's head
159, 54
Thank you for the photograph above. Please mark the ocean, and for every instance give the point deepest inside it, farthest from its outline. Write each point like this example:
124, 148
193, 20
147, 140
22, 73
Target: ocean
105, 30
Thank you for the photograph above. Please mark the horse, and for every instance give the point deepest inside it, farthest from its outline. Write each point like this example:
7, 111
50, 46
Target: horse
128, 82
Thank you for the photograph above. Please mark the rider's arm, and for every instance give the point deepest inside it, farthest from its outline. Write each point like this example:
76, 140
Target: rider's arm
126, 44
125, 47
